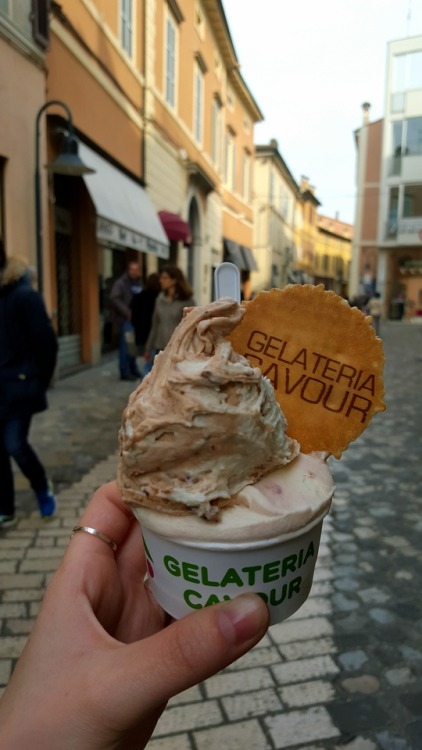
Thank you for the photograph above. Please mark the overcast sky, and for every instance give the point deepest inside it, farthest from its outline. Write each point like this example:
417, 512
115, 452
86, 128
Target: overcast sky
310, 66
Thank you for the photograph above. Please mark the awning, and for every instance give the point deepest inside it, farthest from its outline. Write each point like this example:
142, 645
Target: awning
249, 259
125, 214
175, 228
240, 255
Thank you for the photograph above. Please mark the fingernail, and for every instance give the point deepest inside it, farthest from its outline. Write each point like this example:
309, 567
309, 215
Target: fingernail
242, 618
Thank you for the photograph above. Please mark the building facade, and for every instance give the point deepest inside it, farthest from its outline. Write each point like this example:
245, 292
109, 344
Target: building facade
23, 43
165, 125
333, 254
399, 276
276, 206
387, 247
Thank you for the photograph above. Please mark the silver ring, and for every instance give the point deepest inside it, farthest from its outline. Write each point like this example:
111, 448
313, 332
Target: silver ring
95, 532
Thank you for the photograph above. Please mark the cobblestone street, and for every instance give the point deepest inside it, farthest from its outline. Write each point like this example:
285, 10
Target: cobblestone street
346, 670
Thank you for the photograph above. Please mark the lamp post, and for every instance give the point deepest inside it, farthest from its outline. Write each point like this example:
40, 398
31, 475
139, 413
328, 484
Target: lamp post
67, 163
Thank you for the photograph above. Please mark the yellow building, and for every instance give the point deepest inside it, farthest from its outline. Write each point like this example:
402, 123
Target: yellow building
333, 254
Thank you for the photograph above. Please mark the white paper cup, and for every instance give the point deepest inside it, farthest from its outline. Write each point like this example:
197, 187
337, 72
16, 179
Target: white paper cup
185, 576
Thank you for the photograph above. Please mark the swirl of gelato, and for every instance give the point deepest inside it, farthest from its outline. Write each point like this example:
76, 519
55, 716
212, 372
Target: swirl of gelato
203, 424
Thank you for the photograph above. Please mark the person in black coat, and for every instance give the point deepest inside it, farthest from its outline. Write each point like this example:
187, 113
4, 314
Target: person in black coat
143, 309
28, 352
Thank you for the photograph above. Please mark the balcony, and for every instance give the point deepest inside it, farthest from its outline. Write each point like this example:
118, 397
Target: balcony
408, 231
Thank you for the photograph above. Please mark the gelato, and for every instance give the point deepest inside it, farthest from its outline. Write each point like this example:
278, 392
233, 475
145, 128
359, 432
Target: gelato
204, 423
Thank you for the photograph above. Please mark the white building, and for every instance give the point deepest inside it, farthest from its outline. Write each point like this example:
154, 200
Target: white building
399, 273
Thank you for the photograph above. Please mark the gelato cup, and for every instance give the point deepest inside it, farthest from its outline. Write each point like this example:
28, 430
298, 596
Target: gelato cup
186, 575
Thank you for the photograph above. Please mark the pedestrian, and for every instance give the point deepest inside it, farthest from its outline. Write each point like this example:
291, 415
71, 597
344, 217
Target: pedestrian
175, 295
143, 308
28, 351
374, 309
122, 292
103, 658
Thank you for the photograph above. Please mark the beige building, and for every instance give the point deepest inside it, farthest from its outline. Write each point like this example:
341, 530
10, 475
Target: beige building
199, 136
276, 210
23, 40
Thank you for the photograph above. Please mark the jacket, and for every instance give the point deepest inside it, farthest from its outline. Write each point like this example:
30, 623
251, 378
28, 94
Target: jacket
167, 315
28, 350
121, 296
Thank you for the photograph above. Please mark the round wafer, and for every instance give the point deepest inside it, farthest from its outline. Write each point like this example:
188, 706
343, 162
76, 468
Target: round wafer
323, 359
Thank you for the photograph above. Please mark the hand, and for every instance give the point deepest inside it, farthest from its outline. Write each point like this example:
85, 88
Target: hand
103, 658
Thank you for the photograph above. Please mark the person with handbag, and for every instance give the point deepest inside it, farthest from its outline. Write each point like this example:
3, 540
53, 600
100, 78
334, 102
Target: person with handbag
121, 296
28, 353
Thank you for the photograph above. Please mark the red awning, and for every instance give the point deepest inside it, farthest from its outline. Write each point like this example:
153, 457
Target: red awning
175, 228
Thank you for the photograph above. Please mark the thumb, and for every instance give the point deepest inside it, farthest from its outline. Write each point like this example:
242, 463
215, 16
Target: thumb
187, 652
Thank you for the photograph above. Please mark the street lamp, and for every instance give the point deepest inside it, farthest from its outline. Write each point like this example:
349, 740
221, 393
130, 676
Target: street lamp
67, 163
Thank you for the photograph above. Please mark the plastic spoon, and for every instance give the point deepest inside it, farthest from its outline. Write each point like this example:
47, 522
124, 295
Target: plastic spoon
227, 281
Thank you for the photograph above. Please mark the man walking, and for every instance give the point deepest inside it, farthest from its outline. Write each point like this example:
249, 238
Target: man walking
122, 293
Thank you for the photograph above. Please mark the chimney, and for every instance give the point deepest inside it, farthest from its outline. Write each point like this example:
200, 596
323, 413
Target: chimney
365, 109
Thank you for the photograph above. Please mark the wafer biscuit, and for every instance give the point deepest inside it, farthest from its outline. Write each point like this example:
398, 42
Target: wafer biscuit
323, 359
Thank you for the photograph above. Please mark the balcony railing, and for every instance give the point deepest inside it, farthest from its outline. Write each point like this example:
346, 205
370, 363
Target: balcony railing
403, 227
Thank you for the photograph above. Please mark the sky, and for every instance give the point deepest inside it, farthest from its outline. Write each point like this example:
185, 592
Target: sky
310, 66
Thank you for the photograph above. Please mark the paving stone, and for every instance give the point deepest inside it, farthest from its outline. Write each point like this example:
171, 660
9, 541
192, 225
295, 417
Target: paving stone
298, 727
175, 742
247, 734
226, 683
258, 657
373, 595
352, 660
414, 734
387, 741
289, 631
5, 670
11, 646
382, 616
365, 684
307, 693
357, 715
304, 669
187, 696
400, 676
302, 649
255, 703
178, 719
359, 743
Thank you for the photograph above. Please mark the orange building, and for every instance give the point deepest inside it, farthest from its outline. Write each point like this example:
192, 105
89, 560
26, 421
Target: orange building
164, 122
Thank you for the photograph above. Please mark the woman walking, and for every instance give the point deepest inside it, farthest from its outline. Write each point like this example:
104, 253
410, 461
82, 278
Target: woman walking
175, 295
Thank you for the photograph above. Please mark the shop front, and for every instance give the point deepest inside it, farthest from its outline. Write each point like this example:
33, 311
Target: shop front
108, 221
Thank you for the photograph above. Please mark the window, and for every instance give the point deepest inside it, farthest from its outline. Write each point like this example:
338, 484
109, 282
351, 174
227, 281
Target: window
407, 72
246, 175
407, 137
198, 100
170, 82
40, 24
199, 22
216, 131
412, 205
272, 188
230, 162
126, 25
393, 209
414, 136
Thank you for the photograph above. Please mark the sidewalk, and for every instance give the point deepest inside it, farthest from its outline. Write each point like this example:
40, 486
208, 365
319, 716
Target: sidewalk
346, 670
